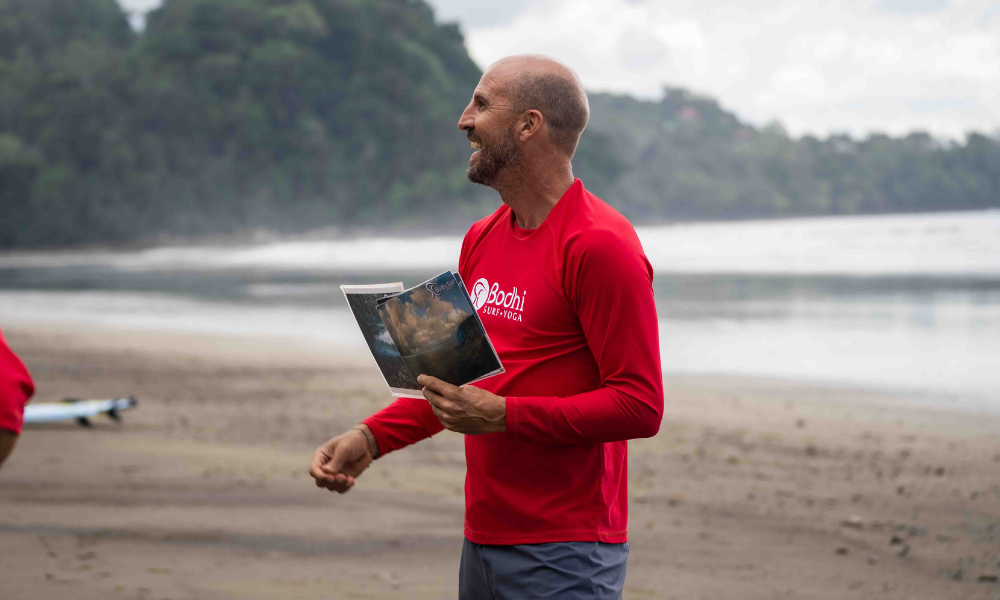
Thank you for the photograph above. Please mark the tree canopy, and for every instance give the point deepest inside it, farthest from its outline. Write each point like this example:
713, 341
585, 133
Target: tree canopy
231, 115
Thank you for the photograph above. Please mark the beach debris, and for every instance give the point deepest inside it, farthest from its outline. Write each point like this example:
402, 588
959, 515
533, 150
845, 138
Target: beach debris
901, 490
841, 550
957, 575
387, 578
902, 553
873, 560
989, 578
895, 541
675, 498
812, 450
939, 471
732, 460
915, 531
800, 423
854, 522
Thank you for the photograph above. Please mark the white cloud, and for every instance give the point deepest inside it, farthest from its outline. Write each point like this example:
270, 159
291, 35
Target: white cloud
818, 67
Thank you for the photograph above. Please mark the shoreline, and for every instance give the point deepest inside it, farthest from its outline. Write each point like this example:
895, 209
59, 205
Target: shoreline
751, 488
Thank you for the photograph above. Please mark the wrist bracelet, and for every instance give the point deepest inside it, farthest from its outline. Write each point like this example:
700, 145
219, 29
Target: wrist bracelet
368, 440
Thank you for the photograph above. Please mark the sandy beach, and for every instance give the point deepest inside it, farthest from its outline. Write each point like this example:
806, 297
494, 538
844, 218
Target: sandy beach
753, 489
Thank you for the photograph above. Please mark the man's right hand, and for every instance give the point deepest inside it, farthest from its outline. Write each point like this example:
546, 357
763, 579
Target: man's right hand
338, 462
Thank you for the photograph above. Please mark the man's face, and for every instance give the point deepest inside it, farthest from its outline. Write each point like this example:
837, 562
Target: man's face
488, 123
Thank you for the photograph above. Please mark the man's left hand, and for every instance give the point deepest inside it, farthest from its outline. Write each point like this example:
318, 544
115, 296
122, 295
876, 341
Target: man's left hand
465, 409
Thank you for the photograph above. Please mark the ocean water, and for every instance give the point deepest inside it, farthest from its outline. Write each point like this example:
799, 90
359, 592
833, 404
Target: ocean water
904, 302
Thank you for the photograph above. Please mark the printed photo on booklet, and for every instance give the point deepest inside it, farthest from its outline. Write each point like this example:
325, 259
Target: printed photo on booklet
437, 332
362, 299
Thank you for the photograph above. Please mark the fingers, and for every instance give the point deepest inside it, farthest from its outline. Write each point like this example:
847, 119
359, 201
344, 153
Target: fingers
320, 458
336, 462
442, 416
441, 387
339, 483
334, 481
434, 398
326, 468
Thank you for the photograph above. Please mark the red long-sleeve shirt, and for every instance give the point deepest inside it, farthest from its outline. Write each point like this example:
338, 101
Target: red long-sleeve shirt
16, 388
569, 308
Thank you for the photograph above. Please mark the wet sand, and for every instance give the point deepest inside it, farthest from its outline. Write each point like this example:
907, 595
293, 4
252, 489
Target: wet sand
753, 489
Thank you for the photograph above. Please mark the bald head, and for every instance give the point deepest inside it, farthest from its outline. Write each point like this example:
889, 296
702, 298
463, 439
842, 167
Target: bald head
550, 87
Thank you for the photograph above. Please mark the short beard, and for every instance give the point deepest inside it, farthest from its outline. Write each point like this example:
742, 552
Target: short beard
494, 159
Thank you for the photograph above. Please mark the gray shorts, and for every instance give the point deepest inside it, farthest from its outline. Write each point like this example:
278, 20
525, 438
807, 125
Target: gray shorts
563, 570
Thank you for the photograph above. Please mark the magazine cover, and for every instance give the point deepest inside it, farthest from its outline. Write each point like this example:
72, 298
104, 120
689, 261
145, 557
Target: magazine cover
437, 332
362, 299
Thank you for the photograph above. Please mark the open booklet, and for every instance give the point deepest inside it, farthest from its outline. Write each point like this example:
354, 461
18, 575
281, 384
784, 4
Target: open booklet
428, 329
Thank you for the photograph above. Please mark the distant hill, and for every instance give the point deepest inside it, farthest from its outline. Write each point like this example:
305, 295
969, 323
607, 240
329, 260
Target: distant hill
225, 116
686, 158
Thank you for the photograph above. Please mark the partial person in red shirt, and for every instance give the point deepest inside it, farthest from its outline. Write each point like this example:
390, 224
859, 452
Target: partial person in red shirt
16, 388
564, 290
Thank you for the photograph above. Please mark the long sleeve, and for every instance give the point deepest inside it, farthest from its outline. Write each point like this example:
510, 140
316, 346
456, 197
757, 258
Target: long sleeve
406, 421
16, 388
609, 283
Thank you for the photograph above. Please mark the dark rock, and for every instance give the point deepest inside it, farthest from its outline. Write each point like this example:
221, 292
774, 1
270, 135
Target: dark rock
902, 553
957, 575
841, 550
988, 578
917, 532
800, 423
872, 560
939, 471
896, 540
901, 490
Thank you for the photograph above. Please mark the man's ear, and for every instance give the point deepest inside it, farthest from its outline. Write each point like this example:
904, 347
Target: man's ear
529, 125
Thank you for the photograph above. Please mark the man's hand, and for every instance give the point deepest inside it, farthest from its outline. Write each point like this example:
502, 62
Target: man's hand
465, 409
338, 462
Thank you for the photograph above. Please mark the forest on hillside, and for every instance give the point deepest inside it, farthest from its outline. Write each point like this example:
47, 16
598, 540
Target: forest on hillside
227, 116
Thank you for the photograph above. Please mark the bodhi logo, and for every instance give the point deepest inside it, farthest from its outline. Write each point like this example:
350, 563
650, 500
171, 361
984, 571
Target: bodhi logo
480, 292
508, 305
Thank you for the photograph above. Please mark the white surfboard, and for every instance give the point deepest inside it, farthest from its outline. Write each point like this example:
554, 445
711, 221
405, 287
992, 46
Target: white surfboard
80, 410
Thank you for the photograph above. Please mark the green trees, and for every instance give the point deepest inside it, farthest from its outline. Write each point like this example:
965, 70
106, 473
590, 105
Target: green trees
228, 115
224, 115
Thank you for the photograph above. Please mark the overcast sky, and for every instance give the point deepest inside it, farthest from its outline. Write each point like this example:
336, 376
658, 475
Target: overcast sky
816, 66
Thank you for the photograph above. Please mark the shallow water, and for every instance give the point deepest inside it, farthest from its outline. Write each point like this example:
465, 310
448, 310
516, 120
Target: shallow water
905, 302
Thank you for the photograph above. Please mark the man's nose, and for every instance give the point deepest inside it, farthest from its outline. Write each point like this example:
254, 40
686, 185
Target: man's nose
466, 122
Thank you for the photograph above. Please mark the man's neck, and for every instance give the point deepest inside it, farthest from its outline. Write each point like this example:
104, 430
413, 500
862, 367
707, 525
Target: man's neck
532, 196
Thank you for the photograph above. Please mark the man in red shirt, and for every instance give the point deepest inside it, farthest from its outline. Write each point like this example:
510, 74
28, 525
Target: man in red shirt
16, 388
565, 292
